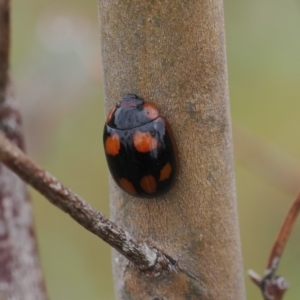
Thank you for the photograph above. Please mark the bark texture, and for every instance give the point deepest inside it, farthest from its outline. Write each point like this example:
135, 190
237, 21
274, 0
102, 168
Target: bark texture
172, 53
20, 271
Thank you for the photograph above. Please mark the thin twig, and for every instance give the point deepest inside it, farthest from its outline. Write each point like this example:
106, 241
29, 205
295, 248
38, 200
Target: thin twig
285, 231
148, 259
272, 286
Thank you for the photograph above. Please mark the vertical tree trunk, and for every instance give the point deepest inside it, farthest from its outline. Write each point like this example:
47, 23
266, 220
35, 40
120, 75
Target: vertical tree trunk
172, 53
20, 272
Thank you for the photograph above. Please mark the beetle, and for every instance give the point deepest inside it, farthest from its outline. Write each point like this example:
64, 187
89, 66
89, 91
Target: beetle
140, 149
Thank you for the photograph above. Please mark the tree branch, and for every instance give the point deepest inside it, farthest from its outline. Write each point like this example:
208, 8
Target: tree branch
148, 259
20, 270
173, 54
272, 286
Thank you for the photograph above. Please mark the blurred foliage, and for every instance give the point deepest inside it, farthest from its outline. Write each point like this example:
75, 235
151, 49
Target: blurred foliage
264, 72
57, 73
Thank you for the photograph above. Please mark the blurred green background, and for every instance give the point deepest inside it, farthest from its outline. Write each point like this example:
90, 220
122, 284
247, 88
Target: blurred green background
56, 68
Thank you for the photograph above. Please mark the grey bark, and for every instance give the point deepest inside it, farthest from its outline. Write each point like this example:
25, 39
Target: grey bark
20, 271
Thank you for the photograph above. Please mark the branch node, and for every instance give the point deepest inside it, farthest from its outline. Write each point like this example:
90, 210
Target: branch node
163, 263
271, 285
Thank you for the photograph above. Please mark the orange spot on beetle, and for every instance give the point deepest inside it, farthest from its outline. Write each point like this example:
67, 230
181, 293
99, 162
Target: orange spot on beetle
151, 110
148, 184
127, 186
144, 141
165, 172
112, 145
110, 114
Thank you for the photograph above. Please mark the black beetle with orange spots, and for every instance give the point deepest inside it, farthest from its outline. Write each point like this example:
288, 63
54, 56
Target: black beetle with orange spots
140, 148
